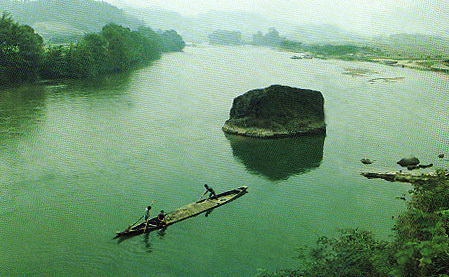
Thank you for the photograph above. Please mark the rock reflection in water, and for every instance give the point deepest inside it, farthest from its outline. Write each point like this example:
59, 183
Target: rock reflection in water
278, 159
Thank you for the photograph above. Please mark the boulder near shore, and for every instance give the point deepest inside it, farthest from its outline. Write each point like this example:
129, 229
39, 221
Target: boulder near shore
277, 111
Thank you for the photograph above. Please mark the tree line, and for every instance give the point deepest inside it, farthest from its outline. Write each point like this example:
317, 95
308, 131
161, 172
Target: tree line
25, 57
273, 39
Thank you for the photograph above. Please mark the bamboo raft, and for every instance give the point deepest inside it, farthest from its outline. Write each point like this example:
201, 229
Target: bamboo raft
184, 212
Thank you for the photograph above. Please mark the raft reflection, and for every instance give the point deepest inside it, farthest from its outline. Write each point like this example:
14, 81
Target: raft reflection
278, 159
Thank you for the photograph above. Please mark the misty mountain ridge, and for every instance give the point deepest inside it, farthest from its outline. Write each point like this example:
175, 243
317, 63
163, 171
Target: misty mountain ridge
196, 28
74, 18
324, 33
414, 45
67, 18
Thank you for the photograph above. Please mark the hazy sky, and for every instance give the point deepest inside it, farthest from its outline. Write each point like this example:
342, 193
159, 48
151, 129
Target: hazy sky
374, 16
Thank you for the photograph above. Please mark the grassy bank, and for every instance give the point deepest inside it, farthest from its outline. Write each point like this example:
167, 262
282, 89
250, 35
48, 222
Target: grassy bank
372, 54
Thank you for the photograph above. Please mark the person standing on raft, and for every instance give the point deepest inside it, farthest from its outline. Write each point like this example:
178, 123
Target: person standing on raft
209, 189
147, 213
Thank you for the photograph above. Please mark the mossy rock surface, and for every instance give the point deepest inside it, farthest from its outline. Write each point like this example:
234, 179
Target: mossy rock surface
277, 111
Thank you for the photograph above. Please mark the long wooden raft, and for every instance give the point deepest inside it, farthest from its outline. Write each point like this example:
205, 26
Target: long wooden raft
184, 212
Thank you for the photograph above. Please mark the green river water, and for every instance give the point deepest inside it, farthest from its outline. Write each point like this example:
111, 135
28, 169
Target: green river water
80, 160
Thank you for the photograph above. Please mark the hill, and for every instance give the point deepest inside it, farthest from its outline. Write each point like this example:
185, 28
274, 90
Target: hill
417, 46
63, 20
322, 34
197, 28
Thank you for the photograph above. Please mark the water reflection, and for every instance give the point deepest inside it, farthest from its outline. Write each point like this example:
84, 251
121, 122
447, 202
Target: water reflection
100, 87
21, 109
148, 246
278, 159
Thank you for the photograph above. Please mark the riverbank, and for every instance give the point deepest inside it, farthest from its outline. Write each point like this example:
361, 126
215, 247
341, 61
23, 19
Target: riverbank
429, 65
439, 64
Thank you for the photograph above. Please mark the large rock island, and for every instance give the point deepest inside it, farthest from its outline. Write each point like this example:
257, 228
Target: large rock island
277, 111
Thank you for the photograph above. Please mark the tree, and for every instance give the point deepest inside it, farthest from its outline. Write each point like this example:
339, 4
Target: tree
91, 55
114, 49
119, 47
272, 38
21, 51
151, 43
54, 63
422, 240
291, 45
171, 41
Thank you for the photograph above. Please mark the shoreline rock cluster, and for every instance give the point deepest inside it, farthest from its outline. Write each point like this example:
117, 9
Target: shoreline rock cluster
410, 162
406, 177
277, 111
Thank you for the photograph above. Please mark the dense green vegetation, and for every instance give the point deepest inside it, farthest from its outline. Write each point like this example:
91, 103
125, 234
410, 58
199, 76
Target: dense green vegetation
420, 246
348, 52
273, 39
21, 51
169, 41
115, 49
412, 46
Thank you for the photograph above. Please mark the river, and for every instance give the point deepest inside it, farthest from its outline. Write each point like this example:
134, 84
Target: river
80, 160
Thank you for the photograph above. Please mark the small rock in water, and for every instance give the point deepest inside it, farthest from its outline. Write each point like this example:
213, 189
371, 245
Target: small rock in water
408, 161
366, 161
425, 165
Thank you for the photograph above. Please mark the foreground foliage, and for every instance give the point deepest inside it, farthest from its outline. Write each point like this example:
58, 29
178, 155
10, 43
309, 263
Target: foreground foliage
420, 246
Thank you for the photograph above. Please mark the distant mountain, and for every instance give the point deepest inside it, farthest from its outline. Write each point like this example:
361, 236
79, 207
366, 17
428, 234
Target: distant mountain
69, 18
73, 18
397, 45
322, 34
197, 29
162, 19
412, 45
